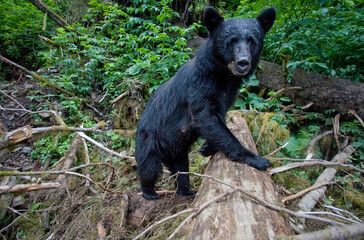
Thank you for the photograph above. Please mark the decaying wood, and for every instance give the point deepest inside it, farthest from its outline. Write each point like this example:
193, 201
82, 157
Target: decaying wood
26, 132
101, 231
309, 200
19, 188
343, 232
70, 157
6, 199
325, 91
237, 217
313, 142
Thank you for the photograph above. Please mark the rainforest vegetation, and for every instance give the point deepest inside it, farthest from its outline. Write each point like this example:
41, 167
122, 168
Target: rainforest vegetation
98, 65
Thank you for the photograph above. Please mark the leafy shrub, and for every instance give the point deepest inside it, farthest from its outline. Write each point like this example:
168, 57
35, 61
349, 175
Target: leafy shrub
123, 44
21, 23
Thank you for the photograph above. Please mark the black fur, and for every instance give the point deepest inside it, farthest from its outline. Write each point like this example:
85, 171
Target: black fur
194, 102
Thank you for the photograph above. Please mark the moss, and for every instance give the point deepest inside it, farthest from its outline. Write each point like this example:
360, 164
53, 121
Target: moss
355, 197
291, 181
267, 133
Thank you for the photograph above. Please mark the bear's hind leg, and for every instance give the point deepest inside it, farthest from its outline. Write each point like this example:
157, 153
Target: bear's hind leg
183, 180
149, 172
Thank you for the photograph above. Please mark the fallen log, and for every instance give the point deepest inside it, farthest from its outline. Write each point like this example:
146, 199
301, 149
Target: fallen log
308, 202
325, 92
343, 232
236, 216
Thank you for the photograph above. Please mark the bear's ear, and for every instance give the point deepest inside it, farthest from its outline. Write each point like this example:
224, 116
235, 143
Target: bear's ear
212, 18
267, 18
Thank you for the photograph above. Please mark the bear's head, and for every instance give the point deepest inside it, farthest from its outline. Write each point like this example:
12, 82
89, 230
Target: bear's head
238, 43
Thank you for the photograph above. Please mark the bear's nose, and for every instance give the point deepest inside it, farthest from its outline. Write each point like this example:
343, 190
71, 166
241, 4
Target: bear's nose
243, 64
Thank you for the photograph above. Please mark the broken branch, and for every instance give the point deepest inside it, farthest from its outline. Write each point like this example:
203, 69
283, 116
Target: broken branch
19, 188
99, 145
303, 192
313, 163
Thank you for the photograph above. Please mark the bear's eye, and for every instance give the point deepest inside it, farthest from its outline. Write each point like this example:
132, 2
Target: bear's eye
252, 42
233, 41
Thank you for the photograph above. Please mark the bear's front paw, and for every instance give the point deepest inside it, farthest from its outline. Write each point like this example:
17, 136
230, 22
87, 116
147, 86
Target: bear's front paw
258, 162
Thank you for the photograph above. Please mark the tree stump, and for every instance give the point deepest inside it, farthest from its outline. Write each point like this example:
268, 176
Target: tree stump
236, 216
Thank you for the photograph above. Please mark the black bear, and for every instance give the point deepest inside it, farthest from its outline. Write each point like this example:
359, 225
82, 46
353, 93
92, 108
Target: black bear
194, 102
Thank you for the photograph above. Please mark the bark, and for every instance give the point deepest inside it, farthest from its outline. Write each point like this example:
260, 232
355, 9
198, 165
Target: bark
343, 232
52, 15
236, 216
309, 200
325, 92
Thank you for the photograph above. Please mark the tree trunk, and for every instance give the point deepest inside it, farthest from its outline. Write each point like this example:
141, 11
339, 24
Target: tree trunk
325, 92
52, 15
236, 217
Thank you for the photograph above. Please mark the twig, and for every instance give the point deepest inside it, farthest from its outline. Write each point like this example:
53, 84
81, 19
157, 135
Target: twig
95, 110
17, 212
282, 91
36, 76
277, 150
65, 172
303, 192
332, 214
162, 221
298, 159
312, 144
357, 116
9, 225
344, 211
336, 124
313, 163
99, 145
20, 105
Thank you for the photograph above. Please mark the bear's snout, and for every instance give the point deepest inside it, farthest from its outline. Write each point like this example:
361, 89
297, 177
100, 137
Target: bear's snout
243, 65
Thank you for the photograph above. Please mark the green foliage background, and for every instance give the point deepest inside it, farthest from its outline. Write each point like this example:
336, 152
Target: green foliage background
324, 36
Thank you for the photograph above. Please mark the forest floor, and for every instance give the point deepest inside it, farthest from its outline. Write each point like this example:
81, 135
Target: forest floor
76, 211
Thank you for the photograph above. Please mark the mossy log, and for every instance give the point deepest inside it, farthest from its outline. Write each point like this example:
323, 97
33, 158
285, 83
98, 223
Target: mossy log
236, 217
324, 91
